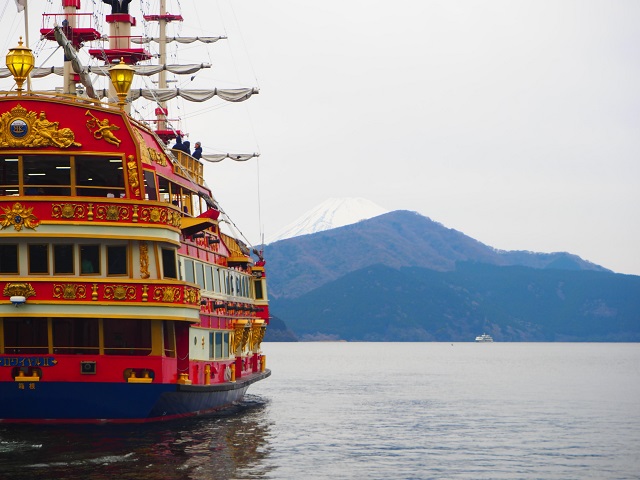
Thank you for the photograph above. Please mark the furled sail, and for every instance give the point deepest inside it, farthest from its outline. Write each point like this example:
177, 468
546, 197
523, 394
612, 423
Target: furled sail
71, 54
165, 94
144, 70
238, 157
144, 40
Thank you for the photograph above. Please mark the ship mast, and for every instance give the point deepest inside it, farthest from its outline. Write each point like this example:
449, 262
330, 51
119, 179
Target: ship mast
161, 112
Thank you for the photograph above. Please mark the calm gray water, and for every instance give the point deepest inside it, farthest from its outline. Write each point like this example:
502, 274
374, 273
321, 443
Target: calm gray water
380, 411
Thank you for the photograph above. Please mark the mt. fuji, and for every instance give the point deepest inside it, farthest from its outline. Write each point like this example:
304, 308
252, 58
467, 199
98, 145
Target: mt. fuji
332, 213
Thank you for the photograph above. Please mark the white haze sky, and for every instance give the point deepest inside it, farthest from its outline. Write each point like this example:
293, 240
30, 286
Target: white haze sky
514, 122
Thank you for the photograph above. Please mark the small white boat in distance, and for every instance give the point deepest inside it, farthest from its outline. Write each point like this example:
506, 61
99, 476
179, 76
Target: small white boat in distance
484, 338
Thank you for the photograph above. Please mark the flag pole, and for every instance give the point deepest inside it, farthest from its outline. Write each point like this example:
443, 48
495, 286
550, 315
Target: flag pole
26, 37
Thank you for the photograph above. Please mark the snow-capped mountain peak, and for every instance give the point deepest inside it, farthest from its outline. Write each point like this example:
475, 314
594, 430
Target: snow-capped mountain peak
332, 213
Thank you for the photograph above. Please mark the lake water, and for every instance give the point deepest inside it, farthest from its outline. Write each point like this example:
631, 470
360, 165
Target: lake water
379, 411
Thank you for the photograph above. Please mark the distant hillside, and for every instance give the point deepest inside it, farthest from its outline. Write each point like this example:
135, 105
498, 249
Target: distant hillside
278, 332
396, 239
380, 303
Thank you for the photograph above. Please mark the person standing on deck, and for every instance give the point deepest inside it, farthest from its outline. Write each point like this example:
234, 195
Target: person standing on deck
197, 152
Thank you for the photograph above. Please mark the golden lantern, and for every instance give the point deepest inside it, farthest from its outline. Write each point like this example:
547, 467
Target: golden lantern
20, 61
121, 77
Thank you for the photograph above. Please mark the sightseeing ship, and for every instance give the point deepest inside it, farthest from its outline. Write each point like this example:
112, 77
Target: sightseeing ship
122, 299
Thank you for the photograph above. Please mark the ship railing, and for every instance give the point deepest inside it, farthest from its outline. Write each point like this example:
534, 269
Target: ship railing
56, 94
188, 167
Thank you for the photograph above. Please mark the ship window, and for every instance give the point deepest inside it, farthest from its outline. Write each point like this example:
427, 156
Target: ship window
38, 259
200, 275
127, 337
188, 271
99, 176
216, 279
209, 277
169, 263
46, 175
75, 336
89, 259
219, 345
150, 185
163, 189
196, 203
117, 260
218, 352
63, 261
8, 259
259, 293
26, 335
9, 179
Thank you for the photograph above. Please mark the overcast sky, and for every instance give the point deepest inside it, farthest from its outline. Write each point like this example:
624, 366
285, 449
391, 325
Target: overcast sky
514, 122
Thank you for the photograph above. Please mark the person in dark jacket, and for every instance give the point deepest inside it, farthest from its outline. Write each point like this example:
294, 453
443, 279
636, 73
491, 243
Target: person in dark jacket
178, 145
118, 6
197, 152
186, 147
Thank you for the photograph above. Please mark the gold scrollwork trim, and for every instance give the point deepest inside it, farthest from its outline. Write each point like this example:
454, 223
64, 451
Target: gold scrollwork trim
18, 216
23, 289
69, 291
112, 213
191, 295
166, 294
67, 210
120, 292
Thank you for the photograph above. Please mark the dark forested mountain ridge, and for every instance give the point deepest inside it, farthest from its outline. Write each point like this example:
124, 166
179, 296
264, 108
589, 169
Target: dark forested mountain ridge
397, 239
381, 303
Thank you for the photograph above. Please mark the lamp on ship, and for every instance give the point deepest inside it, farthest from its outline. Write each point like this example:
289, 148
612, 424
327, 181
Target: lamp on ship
121, 77
20, 61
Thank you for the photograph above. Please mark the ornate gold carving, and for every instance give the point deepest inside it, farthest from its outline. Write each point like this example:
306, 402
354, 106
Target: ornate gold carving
69, 291
192, 295
237, 337
160, 215
103, 129
22, 289
157, 157
94, 292
120, 292
145, 293
144, 259
245, 337
132, 170
166, 294
257, 334
90, 212
154, 216
20, 128
19, 217
67, 210
112, 213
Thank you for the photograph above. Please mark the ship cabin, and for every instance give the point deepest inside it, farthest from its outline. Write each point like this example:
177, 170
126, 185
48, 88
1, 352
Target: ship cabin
113, 267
